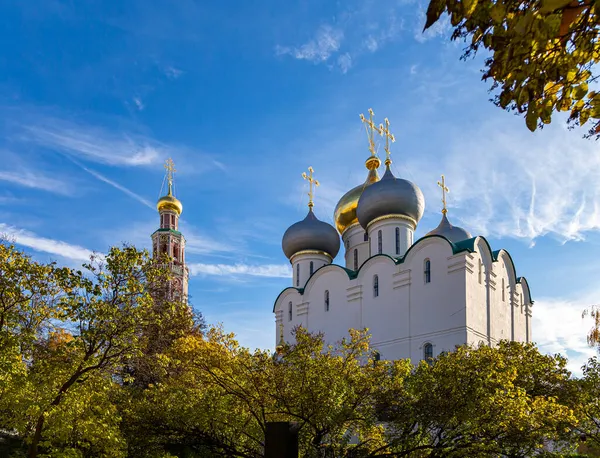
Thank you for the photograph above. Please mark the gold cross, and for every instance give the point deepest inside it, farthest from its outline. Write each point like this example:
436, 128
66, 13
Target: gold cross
385, 131
312, 181
371, 128
170, 168
445, 189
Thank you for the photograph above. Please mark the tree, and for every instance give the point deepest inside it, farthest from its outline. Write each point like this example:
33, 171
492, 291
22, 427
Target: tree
472, 402
74, 332
541, 54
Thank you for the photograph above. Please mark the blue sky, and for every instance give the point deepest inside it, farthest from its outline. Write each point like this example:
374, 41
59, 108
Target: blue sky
94, 96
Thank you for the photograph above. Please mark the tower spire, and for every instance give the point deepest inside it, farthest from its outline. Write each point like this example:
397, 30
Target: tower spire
311, 181
371, 129
442, 184
170, 168
385, 131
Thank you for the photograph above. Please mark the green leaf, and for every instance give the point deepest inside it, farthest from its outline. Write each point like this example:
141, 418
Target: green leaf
434, 11
531, 119
548, 6
469, 7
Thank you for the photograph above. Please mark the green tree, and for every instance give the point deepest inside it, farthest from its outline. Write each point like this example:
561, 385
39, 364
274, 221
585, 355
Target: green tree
73, 332
541, 54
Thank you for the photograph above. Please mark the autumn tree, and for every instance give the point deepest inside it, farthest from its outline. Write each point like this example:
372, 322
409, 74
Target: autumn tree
87, 326
539, 54
346, 403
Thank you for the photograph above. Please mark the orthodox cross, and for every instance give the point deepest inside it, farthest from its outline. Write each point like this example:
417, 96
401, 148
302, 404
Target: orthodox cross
385, 131
371, 128
312, 181
170, 168
442, 184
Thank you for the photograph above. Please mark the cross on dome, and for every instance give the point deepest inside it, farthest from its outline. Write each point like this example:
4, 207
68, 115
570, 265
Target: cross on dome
371, 128
445, 190
312, 181
385, 131
170, 168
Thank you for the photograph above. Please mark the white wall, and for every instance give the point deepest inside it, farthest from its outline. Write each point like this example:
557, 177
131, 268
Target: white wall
453, 309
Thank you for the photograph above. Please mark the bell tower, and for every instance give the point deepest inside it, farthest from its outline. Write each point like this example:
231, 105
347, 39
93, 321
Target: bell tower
168, 240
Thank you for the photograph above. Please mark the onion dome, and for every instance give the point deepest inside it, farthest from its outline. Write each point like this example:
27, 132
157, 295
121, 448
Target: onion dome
345, 211
390, 196
452, 233
311, 234
169, 202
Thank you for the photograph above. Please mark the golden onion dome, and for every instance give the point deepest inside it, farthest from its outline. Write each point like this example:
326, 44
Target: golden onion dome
169, 203
345, 211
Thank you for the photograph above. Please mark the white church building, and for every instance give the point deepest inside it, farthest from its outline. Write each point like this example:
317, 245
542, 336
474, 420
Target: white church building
417, 298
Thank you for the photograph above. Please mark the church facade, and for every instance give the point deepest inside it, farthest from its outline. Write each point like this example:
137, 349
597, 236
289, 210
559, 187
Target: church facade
417, 298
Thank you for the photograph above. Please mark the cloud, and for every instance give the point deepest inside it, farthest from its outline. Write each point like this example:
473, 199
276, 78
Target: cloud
45, 245
138, 103
94, 143
440, 28
558, 327
267, 270
116, 185
326, 42
525, 185
35, 180
344, 62
173, 73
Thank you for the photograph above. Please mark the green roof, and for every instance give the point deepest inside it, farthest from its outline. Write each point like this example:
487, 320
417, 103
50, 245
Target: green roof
458, 247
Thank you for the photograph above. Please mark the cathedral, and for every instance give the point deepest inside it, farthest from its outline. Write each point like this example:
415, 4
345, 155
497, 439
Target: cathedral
417, 298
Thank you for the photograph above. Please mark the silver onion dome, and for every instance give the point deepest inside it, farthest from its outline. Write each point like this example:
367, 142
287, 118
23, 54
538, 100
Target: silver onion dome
390, 196
311, 234
452, 233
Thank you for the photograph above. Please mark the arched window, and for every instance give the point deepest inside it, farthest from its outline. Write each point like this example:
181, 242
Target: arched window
397, 240
375, 286
503, 291
366, 237
379, 242
312, 267
427, 352
290, 311
327, 300
297, 274
480, 273
427, 271
173, 220
355, 259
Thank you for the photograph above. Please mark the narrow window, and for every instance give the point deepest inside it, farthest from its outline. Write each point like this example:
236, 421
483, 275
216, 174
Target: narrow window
298, 274
427, 271
327, 300
173, 221
312, 266
366, 239
355, 259
397, 240
290, 311
480, 274
375, 286
379, 242
428, 352
503, 291
376, 356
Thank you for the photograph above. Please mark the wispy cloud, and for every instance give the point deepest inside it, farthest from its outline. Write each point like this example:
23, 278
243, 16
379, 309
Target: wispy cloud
525, 185
172, 72
94, 143
267, 270
139, 103
116, 185
36, 180
327, 41
45, 245
344, 62
558, 327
